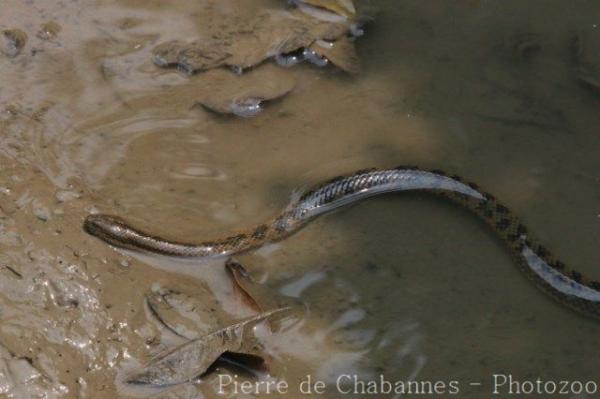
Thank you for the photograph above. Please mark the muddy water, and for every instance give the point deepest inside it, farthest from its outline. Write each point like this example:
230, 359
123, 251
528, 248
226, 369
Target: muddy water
404, 287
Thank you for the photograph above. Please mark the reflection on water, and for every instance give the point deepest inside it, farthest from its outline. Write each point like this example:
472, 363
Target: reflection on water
294, 289
405, 287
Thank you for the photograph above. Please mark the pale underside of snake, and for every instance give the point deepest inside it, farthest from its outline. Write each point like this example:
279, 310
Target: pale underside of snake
551, 275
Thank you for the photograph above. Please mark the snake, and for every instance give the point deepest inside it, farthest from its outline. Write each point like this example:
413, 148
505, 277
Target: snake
551, 275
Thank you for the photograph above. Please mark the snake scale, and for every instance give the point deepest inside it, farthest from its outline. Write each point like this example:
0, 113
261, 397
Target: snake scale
548, 273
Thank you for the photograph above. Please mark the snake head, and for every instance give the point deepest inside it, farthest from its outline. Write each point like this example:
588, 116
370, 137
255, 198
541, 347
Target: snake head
111, 229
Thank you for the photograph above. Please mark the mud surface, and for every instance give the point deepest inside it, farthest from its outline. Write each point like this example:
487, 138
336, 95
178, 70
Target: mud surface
404, 286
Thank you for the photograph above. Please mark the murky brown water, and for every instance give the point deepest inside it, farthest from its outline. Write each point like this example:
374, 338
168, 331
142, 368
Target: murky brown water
408, 287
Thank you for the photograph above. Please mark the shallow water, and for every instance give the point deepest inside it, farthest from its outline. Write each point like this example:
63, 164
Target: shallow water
406, 286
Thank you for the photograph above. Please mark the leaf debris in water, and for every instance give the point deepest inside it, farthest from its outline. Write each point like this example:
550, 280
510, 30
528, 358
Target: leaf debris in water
245, 42
191, 359
187, 316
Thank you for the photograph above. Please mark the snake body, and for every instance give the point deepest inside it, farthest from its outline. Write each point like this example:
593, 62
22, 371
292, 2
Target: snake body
548, 273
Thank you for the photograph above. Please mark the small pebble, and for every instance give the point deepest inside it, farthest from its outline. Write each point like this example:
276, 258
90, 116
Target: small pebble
65, 195
92, 209
41, 213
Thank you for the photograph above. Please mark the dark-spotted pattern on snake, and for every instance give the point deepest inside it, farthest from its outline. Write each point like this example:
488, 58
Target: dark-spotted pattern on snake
539, 265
